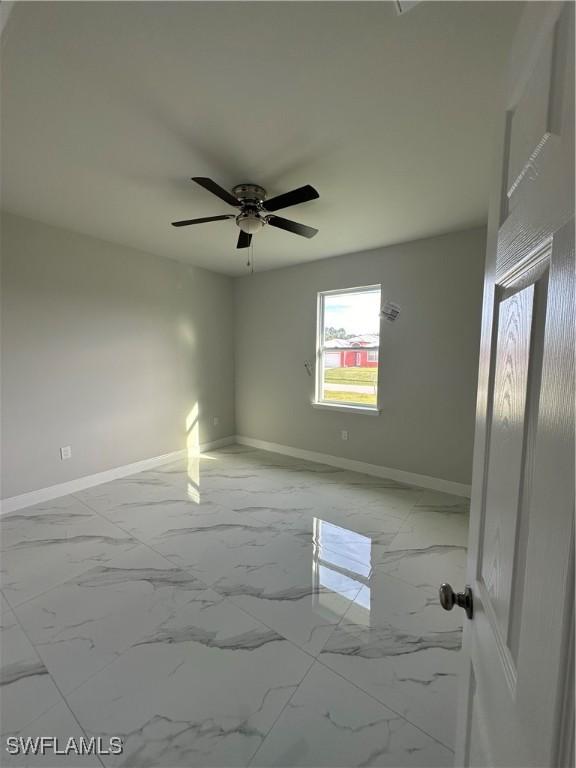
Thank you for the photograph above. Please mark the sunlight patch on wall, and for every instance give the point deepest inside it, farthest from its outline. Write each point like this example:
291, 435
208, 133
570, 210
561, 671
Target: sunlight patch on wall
193, 453
186, 332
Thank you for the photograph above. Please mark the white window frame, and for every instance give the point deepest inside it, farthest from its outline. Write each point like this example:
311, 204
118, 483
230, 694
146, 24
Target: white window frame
339, 405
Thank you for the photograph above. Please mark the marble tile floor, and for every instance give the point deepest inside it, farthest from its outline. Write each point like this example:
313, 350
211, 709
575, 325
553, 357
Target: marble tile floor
243, 608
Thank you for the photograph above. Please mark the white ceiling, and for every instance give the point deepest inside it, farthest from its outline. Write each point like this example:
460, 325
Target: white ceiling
108, 108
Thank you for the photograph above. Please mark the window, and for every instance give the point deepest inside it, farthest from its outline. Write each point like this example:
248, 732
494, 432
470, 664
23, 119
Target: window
348, 342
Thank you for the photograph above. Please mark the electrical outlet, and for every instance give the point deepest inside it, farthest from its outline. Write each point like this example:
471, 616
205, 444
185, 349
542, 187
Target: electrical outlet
216, 421
344, 434
66, 452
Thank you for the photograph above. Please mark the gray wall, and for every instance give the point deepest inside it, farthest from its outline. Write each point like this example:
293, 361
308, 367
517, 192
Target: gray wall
108, 349
429, 356
105, 349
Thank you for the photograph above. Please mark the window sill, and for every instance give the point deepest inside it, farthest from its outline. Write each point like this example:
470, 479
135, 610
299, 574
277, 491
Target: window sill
367, 411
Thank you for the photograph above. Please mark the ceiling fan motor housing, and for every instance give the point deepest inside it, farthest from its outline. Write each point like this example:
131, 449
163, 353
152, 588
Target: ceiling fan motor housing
252, 196
250, 193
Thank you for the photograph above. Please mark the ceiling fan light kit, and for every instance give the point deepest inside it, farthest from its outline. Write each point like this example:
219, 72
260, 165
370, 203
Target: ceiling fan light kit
250, 223
255, 209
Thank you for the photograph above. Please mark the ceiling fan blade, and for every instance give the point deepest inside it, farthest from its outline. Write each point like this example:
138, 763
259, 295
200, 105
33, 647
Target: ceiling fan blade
296, 196
291, 226
217, 190
202, 221
244, 240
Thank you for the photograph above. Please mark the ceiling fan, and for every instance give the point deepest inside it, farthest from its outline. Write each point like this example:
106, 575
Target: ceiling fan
255, 209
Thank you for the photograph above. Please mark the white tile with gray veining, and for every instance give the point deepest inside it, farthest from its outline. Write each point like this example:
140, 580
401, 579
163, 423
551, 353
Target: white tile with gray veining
26, 688
330, 722
203, 692
86, 623
287, 591
430, 547
145, 521
214, 541
235, 607
146, 487
395, 643
49, 520
45, 545
57, 723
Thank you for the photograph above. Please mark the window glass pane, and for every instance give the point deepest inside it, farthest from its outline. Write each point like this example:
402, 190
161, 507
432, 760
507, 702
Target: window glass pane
347, 381
350, 340
352, 314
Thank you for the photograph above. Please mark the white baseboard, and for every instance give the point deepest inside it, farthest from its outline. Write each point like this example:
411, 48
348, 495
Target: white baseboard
23, 500
220, 443
410, 478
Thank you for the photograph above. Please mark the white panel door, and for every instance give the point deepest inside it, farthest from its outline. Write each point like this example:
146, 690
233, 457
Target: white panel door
518, 645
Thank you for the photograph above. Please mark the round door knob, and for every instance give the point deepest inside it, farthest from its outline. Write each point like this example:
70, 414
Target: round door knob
449, 598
